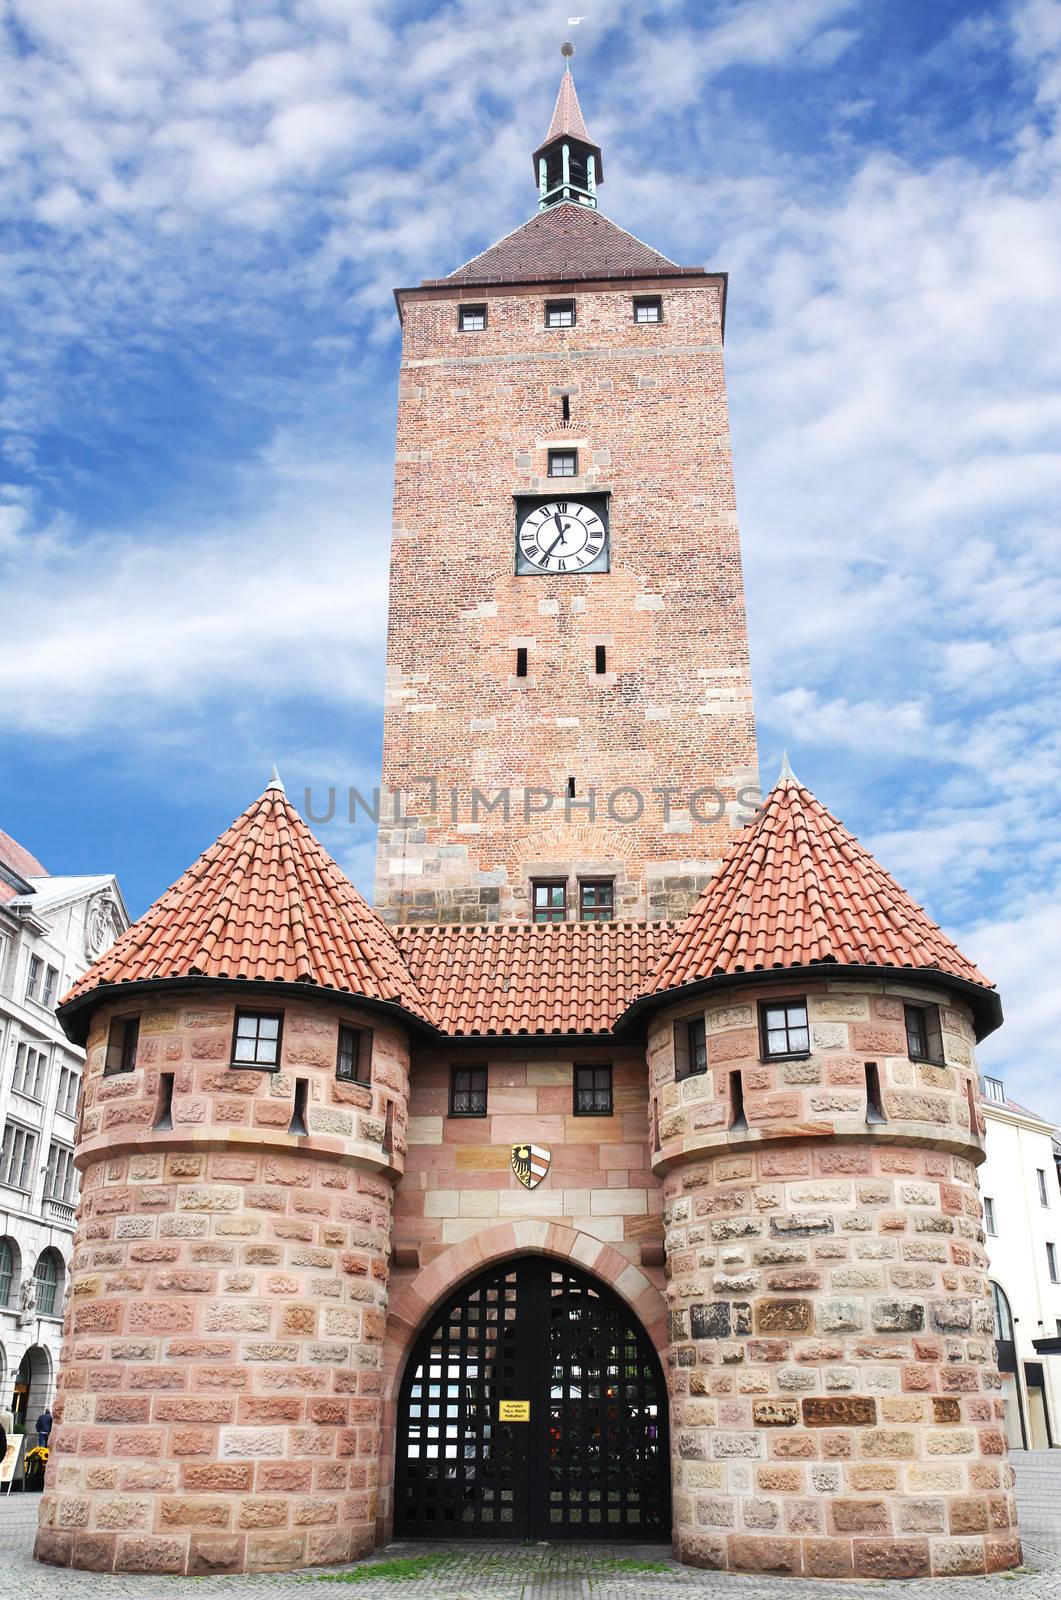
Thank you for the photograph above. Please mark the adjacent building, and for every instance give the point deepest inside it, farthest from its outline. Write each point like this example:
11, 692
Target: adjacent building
1022, 1220
51, 930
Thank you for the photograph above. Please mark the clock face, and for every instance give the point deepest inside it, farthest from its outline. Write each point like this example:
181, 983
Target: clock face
562, 536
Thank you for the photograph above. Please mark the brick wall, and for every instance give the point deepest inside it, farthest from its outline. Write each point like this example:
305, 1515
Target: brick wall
477, 414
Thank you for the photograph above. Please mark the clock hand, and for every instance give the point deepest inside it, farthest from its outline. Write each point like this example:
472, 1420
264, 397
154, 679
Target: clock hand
558, 540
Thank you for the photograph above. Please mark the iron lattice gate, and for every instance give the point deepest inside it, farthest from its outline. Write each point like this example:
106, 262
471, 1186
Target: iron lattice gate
592, 1460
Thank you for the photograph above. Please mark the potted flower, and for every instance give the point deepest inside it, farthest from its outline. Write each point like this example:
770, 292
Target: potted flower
35, 1462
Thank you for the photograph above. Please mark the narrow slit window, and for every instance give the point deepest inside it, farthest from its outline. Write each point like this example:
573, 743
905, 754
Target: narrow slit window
970, 1095
874, 1105
563, 463
570, 788
521, 661
600, 658
298, 1111
565, 408
256, 1040
388, 1128
471, 319
737, 1119
164, 1108
1044, 1198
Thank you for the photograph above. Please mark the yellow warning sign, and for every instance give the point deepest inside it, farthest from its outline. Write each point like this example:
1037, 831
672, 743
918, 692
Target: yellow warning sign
513, 1411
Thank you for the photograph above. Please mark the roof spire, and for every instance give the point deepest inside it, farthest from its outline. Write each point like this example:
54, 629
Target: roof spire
568, 165
786, 769
275, 781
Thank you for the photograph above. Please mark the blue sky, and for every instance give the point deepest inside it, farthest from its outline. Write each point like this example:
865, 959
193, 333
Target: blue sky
205, 206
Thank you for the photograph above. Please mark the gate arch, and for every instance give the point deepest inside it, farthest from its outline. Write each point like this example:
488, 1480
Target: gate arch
533, 1405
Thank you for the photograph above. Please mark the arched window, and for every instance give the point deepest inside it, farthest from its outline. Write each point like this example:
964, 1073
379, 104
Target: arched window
1003, 1315
46, 1274
7, 1271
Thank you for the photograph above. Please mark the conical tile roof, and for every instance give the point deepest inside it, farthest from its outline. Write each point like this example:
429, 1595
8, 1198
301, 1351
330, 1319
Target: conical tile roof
797, 890
567, 114
265, 903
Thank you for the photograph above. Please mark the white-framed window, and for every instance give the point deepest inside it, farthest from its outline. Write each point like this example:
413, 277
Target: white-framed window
69, 1089
989, 1216
31, 1065
33, 978
16, 1156
995, 1089
1044, 1198
1051, 1262
61, 1182
51, 987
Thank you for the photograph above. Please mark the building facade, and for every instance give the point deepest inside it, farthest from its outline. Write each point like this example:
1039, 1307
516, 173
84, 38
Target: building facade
610, 1179
1022, 1220
51, 929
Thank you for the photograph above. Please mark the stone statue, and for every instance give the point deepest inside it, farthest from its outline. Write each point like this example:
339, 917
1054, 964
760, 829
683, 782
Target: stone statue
27, 1301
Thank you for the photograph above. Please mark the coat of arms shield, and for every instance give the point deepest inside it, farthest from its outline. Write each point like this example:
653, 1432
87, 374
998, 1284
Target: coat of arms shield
530, 1163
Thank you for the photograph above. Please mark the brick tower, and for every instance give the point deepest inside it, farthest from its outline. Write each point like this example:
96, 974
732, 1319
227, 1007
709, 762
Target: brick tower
567, 632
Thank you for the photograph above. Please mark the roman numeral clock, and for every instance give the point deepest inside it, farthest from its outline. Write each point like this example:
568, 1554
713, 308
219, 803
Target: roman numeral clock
556, 536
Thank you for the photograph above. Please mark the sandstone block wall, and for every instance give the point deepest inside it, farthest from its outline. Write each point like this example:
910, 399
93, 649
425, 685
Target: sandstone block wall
219, 1393
477, 415
836, 1404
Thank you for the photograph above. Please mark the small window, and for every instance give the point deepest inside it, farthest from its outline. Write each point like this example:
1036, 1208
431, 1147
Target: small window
924, 1040
596, 899
989, 1217
471, 319
353, 1061
256, 1040
994, 1089
521, 661
467, 1092
559, 313
563, 463
549, 900
69, 1089
783, 1025
1044, 1198
593, 1091
51, 984
1051, 1262
600, 659
122, 1043
648, 308
33, 979
690, 1055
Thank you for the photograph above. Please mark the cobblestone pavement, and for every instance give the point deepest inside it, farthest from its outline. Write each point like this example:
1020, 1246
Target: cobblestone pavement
544, 1572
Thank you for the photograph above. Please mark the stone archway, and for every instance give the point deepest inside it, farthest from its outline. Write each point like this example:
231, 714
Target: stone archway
32, 1387
417, 1300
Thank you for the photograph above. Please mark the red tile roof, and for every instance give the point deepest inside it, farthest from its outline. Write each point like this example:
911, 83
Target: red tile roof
18, 859
266, 902
522, 979
798, 889
565, 241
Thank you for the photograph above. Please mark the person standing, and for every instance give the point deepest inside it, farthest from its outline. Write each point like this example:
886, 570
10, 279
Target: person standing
44, 1428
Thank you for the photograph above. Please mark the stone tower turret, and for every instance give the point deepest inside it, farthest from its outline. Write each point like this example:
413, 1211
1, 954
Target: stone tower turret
242, 1126
836, 1404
